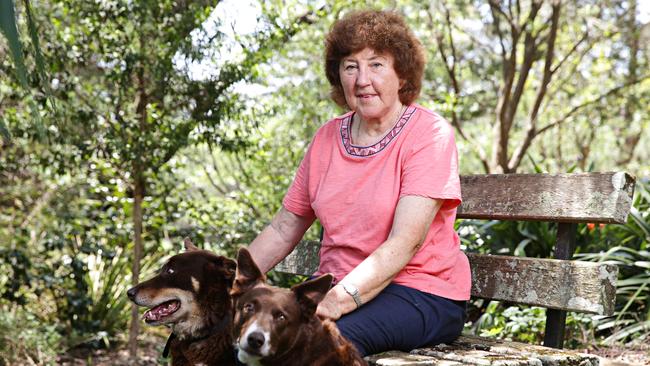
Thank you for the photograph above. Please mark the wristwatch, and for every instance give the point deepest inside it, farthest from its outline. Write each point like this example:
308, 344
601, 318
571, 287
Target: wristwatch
352, 291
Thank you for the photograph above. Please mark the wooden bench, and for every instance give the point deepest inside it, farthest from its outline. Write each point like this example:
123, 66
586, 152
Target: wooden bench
559, 284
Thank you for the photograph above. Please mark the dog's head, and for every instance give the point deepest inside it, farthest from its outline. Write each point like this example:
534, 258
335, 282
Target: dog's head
267, 318
189, 293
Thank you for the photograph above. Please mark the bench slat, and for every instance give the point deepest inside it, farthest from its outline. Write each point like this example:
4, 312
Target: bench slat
577, 197
568, 285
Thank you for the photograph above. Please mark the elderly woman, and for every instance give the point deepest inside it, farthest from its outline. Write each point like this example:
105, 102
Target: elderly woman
383, 181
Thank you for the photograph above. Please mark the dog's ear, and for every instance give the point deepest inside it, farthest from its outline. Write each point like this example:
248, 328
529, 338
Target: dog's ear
312, 292
224, 266
189, 246
230, 267
248, 273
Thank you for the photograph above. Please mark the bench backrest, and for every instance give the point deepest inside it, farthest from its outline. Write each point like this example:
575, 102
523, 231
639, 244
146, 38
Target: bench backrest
552, 283
574, 198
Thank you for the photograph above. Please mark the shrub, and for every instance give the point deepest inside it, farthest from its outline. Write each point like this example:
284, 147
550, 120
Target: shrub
25, 339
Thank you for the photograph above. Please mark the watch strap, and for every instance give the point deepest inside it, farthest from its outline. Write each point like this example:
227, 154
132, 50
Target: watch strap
354, 292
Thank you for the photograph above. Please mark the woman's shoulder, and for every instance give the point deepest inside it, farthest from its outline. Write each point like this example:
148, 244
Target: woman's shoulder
428, 120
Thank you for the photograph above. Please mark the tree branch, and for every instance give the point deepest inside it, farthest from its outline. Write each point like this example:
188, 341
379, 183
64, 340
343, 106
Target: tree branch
495, 9
223, 188
530, 56
584, 37
451, 69
577, 108
541, 92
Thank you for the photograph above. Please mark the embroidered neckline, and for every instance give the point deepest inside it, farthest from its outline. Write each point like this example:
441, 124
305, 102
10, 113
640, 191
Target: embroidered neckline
381, 144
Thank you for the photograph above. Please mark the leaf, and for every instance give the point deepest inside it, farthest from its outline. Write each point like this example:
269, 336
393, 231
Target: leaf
537, 168
9, 29
520, 250
4, 131
8, 26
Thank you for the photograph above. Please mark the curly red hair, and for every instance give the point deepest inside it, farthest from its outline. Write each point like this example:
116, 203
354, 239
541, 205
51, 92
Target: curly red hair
383, 32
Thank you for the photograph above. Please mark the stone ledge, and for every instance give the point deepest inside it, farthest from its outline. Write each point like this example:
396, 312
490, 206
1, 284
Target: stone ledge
471, 350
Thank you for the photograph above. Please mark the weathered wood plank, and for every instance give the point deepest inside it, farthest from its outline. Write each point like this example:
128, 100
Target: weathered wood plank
551, 283
303, 260
471, 350
579, 197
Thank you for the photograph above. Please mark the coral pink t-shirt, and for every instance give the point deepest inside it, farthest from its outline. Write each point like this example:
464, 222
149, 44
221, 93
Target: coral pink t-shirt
354, 190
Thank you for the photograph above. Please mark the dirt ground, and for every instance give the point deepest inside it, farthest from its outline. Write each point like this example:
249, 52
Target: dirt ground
150, 354
633, 355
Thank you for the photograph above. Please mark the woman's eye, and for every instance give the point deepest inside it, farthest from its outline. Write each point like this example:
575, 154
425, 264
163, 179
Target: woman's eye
375, 64
350, 67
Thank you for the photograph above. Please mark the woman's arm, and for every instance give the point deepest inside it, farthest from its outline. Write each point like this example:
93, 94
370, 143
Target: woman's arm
413, 217
279, 238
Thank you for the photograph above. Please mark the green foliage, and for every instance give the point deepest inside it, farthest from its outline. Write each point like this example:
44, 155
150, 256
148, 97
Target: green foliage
628, 247
125, 109
512, 323
519, 238
527, 324
25, 339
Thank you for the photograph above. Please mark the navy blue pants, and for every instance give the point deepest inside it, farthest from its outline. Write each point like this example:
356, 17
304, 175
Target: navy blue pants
402, 318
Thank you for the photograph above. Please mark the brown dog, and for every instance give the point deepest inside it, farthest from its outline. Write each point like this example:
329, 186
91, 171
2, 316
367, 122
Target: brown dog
279, 327
191, 295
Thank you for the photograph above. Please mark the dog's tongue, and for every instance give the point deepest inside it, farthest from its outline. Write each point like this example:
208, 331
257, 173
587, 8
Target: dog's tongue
161, 311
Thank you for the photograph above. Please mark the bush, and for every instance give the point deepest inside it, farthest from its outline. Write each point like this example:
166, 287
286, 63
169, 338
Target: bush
25, 339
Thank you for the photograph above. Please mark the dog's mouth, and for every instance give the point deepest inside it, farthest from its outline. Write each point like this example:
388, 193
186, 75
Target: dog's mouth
159, 312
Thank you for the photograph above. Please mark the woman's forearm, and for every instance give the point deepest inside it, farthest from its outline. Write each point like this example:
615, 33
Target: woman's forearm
413, 218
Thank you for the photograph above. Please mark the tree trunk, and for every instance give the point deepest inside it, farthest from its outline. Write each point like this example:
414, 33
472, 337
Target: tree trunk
138, 196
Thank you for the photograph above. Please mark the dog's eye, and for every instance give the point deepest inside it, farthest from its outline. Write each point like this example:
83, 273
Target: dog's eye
169, 270
248, 308
280, 317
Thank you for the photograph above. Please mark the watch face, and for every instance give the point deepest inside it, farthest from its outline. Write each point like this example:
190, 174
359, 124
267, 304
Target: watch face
354, 292
350, 289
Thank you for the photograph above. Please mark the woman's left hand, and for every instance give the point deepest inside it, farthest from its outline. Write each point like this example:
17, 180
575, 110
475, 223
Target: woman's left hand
331, 306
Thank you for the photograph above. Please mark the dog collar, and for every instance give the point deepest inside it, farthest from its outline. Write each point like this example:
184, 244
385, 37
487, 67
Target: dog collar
168, 344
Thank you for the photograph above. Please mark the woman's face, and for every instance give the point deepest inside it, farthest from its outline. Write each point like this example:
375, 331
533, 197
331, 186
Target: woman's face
371, 85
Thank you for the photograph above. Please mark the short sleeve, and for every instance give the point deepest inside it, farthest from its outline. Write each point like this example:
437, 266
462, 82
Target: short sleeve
297, 199
430, 168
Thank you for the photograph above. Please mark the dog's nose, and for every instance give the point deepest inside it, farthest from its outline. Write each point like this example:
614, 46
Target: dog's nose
255, 340
131, 293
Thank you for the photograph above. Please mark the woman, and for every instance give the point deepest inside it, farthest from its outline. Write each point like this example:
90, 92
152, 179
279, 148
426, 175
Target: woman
383, 181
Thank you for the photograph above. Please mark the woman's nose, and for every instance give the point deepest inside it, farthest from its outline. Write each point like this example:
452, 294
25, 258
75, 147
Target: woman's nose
363, 78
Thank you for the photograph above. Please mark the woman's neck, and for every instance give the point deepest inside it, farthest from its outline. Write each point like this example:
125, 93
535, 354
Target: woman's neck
366, 131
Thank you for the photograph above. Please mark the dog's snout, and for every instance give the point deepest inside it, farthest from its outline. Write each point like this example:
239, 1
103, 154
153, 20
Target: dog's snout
131, 293
255, 340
